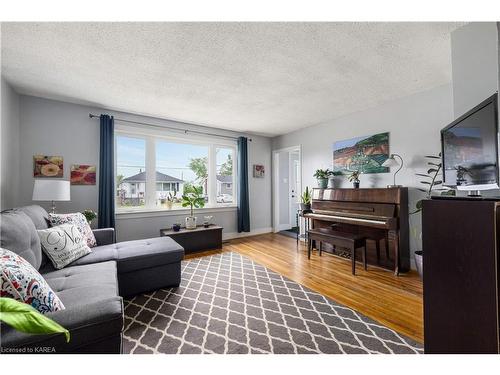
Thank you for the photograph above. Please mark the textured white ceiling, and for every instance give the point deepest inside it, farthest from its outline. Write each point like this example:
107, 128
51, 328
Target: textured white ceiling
269, 78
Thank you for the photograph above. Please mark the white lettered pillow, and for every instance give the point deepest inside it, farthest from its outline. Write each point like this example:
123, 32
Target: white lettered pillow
63, 244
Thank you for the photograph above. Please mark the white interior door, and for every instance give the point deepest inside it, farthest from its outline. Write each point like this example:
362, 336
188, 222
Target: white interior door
294, 187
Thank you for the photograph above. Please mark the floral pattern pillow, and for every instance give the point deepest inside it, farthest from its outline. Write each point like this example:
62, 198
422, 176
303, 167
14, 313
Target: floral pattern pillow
20, 281
76, 219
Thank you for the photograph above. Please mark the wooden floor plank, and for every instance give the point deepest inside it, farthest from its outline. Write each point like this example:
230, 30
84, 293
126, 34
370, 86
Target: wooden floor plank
393, 301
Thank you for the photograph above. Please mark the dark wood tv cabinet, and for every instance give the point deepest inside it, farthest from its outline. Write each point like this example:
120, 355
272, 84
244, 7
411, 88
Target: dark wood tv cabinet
199, 239
461, 275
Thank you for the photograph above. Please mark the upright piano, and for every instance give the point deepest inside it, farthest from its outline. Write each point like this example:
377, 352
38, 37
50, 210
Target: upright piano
376, 213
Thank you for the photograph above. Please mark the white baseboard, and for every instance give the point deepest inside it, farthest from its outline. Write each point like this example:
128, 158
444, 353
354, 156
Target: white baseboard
230, 236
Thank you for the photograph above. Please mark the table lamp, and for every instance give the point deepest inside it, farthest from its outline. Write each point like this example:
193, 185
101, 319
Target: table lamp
51, 190
392, 162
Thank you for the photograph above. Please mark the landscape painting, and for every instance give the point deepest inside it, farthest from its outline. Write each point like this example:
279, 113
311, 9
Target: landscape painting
47, 166
365, 154
82, 174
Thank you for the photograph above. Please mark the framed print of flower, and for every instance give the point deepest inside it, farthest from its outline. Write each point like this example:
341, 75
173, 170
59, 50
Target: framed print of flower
47, 166
83, 174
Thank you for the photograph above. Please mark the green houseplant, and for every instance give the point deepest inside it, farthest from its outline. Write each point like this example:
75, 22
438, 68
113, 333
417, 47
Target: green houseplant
322, 177
305, 200
193, 198
354, 178
90, 215
24, 318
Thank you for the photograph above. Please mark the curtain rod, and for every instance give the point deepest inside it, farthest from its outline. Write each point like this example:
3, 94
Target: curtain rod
185, 131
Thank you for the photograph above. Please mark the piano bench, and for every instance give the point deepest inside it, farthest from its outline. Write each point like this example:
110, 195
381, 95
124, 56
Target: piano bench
335, 238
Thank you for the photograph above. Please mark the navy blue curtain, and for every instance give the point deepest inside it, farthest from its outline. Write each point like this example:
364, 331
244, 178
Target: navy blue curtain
243, 204
106, 209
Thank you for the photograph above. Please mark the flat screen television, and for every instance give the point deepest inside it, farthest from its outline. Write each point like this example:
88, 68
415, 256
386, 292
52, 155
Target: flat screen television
469, 149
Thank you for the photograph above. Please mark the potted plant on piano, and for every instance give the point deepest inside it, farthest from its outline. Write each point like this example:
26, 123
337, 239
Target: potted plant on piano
192, 198
322, 177
305, 204
354, 178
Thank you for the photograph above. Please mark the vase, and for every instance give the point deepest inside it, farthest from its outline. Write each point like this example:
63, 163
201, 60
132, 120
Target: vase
331, 182
176, 227
191, 222
419, 263
355, 184
322, 183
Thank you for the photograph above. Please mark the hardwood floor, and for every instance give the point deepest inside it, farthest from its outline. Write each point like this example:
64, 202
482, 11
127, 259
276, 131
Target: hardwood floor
393, 301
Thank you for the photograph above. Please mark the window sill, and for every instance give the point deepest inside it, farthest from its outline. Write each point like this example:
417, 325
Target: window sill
144, 212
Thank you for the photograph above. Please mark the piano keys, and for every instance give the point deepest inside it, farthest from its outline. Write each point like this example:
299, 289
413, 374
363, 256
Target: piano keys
375, 213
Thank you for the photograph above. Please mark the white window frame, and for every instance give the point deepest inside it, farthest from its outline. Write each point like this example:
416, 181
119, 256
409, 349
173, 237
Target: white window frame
151, 136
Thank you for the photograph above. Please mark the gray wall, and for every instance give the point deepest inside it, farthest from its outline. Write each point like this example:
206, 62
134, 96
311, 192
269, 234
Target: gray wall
58, 128
413, 122
9, 135
474, 52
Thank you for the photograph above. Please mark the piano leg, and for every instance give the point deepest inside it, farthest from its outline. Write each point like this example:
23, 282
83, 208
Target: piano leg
393, 235
353, 260
320, 247
377, 246
309, 244
387, 246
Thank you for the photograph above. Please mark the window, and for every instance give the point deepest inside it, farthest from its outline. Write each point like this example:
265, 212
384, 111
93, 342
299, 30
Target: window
154, 169
225, 174
130, 171
180, 166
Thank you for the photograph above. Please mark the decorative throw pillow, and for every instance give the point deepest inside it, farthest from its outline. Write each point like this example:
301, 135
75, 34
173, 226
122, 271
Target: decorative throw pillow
77, 219
63, 244
20, 281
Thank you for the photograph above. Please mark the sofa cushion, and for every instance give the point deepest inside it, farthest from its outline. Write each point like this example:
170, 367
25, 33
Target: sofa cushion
63, 244
80, 285
37, 214
18, 234
20, 281
135, 255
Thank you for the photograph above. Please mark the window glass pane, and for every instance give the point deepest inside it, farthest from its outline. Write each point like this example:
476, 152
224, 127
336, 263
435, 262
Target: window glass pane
225, 183
179, 166
130, 171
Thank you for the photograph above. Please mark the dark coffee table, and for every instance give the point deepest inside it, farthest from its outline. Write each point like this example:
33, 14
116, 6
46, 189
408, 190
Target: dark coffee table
199, 239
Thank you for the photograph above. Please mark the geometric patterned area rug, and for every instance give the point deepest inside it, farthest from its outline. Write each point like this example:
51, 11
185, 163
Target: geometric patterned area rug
228, 304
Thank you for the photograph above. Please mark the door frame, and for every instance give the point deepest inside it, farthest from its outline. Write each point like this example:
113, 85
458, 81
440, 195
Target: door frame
275, 178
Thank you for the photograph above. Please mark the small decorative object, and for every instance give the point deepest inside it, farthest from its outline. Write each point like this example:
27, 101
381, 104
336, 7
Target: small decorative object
419, 262
322, 177
176, 227
207, 221
82, 174
193, 198
47, 166
331, 179
51, 191
305, 204
258, 171
90, 215
366, 154
392, 162
354, 178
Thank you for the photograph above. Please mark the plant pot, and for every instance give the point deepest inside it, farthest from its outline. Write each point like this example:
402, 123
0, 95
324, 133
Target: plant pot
419, 263
168, 205
355, 184
305, 206
176, 227
331, 182
191, 222
322, 183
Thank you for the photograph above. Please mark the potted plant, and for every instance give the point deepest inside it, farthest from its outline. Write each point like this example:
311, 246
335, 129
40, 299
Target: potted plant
305, 204
193, 198
354, 178
176, 227
431, 182
322, 177
90, 215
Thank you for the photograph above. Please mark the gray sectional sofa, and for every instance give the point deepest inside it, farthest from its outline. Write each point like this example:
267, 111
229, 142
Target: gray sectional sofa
92, 287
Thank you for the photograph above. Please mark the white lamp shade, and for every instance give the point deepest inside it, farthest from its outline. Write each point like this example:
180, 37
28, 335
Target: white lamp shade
51, 190
390, 162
